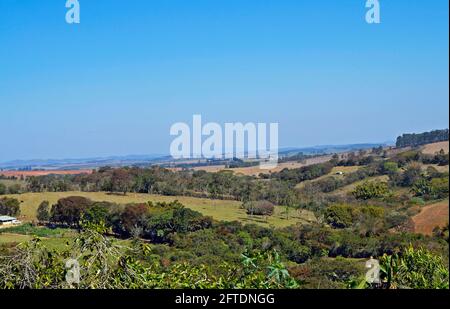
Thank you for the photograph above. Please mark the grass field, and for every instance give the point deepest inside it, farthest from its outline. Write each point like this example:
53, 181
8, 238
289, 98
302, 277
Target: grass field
218, 209
435, 147
431, 216
336, 169
441, 169
9, 238
351, 187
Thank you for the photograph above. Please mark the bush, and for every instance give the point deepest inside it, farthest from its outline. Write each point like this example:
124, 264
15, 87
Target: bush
439, 187
369, 190
69, 210
2, 189
134, 216
259, 208
416, 269
9, 206
43, 212
339, 216
343, 216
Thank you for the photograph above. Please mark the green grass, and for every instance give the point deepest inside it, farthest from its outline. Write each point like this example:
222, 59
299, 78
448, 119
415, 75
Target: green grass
345, 169
29, 229
13, 238
217, 209
349, 188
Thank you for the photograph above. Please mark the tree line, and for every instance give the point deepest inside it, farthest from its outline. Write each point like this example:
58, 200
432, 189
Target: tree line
414, 139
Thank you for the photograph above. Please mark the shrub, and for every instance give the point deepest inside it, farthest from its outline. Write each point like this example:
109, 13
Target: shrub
343, 216
259, 208
9, 206
339, 216
134, 216
69, 210
2, 189
416, 269
43, 212
369, 190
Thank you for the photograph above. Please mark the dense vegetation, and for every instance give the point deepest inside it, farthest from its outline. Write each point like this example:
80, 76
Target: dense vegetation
422, 138
363, 213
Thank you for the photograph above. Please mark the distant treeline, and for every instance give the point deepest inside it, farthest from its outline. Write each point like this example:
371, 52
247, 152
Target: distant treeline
422, 138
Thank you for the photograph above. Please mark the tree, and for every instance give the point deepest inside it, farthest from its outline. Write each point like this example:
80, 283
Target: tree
412, 173
390, 168
259, 208
69, 210
14, 189
2, 189
121, 181
134, 216
9, 206
43, 212
422, 138
369, 190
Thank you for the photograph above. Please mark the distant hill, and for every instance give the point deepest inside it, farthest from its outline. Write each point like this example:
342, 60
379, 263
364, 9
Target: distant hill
146, 160
86, 163
328, 149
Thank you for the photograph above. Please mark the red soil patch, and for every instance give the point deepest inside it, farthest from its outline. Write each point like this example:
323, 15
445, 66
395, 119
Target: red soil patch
42, 173
431, 216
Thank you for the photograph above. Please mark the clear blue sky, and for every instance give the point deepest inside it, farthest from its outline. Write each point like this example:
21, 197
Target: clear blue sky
114, 84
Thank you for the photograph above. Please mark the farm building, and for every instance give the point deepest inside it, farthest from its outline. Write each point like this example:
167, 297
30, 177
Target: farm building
7, 220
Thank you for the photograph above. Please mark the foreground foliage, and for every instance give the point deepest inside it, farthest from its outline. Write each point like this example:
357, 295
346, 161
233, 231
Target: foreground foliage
105, 264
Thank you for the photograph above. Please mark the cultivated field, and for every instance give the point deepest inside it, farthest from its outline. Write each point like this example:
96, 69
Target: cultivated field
431, 216
435, 147
218, 209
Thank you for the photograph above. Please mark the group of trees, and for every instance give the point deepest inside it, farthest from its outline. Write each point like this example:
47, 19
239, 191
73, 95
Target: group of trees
11, 189
154, 221
404, 158
345, 215
297, 175
276, 188
259, 208
9, 206
422, 138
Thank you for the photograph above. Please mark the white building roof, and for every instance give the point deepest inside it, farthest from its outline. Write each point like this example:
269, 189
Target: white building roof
7, 218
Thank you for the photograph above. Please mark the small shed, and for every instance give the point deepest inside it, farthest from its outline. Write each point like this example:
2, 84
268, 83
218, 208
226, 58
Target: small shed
7, 220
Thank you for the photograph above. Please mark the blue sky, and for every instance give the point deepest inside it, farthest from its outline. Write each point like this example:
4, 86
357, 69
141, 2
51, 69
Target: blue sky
115, 83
